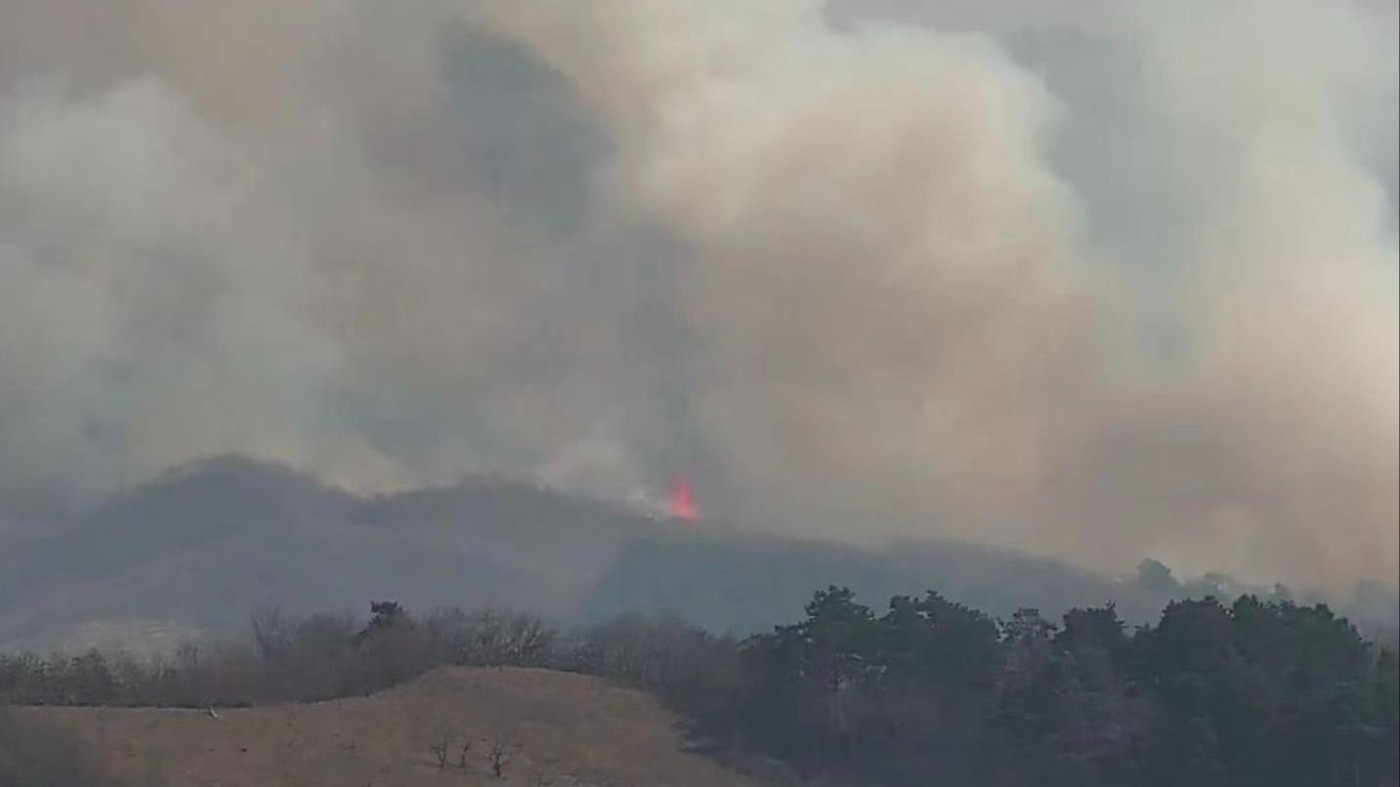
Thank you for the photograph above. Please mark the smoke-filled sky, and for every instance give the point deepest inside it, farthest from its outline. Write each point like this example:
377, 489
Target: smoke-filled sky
1098, 279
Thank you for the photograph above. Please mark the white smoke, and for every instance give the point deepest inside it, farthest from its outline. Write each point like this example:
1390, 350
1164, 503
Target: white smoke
873, 269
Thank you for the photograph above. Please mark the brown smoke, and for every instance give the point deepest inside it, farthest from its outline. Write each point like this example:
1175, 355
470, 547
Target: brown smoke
835, 260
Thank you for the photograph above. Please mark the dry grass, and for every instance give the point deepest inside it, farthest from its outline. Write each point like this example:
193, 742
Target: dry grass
559, 729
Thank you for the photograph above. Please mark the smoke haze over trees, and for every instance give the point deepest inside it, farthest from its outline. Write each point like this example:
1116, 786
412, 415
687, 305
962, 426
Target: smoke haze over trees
1102, 281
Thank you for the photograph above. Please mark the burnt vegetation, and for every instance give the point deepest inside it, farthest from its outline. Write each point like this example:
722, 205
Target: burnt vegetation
1256, 692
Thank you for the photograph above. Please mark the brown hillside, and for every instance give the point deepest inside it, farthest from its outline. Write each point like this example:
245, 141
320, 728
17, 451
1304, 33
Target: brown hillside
561, 729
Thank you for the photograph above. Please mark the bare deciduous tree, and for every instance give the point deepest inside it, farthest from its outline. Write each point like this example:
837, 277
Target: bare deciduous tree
441, 745
498, 755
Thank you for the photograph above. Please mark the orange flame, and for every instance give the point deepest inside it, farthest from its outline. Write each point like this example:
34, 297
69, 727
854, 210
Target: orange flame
682, 501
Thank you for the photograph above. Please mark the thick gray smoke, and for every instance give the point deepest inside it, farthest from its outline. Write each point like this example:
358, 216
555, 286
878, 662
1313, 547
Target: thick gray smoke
1106, 282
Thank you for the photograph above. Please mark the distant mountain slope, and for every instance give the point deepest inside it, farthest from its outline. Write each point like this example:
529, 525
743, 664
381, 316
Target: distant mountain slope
203, 545
199, 548
554, 728
747, 584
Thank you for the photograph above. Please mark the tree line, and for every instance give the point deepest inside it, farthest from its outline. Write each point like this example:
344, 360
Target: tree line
1253, 693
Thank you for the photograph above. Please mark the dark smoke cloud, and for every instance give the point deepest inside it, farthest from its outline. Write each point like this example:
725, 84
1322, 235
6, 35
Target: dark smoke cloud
1107, 282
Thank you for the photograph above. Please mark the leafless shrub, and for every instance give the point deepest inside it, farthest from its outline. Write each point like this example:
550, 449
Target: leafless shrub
498, 755
441, 746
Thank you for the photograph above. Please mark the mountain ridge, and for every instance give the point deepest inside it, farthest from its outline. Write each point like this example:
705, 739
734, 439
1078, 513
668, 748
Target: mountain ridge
202, 545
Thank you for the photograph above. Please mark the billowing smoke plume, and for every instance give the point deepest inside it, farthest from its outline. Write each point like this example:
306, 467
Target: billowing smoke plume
1106, 283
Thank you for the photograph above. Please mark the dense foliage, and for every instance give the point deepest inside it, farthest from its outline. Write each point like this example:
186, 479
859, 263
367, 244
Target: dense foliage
927, 691
1256, 693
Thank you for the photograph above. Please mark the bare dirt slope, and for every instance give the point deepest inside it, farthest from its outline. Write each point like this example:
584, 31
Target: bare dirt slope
559, 729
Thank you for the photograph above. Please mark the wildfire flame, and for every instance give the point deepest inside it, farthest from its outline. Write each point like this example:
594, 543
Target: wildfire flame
682, 500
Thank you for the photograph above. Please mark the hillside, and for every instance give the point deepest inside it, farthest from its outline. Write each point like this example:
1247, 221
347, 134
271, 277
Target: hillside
558, 729
197, 550
201, 547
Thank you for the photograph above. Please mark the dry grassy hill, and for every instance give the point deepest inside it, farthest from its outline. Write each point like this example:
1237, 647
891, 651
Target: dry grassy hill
557, 729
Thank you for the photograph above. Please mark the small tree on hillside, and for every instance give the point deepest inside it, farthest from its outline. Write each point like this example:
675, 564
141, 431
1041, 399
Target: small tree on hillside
393, 644
498, 755
441, 745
